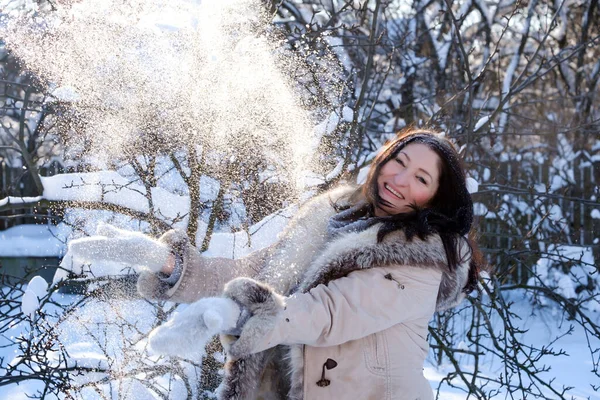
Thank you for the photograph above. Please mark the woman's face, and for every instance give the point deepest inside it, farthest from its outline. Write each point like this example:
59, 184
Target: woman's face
412, 177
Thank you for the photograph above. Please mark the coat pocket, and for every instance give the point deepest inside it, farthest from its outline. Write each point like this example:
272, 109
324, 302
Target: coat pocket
376, 353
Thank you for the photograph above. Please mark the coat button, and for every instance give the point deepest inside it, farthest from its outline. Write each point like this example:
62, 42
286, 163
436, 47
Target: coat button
323, 382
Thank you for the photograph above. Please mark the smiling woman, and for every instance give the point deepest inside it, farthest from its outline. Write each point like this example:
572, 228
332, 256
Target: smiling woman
339, 307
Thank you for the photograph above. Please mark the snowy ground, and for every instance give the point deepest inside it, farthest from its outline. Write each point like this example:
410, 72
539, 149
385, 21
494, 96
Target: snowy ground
574, 369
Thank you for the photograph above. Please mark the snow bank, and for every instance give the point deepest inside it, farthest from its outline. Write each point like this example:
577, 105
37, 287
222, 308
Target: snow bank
34, 241
572, 283
111, 187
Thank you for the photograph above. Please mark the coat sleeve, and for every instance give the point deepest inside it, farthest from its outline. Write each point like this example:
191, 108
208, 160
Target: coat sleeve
356, 306
200, 276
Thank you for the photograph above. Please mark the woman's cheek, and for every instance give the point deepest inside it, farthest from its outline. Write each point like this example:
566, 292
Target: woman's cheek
422, 197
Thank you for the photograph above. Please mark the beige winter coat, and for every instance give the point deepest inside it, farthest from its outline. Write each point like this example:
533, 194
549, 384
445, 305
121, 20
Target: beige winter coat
356, 317
373, 324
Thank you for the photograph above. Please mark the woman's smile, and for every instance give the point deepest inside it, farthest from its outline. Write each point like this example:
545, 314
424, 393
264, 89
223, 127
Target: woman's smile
394, 192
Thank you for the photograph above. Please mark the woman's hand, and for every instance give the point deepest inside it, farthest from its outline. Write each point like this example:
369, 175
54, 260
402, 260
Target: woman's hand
118, 245
265, 307
187, 332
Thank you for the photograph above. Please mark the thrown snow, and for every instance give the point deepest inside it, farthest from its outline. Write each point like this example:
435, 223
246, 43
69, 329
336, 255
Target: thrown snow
190, 65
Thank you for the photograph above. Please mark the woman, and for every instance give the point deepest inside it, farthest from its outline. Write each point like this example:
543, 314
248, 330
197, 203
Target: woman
339, 307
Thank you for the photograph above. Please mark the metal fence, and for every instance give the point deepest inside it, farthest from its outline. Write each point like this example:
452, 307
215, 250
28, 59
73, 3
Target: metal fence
15, 182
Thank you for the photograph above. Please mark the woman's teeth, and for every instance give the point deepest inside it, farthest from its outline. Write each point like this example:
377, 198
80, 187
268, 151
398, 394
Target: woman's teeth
398, 195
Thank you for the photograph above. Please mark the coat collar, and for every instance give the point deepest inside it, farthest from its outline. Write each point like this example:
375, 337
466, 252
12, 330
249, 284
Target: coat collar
306, 256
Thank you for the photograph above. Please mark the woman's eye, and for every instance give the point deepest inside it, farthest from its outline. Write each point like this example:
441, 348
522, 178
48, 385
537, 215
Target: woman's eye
422, 180
400, 161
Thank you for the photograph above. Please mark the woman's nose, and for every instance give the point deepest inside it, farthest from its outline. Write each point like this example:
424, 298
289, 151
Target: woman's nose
401, 178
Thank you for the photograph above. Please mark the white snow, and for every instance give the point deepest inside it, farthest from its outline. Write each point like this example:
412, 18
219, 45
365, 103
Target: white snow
325, 127
472, 185
480, 209
347, 114
83, 354
541, 327
574, 369
557, 183
29, 303
259, 236
336, 171
19, 200
39, 286
549, 272
362, 174
555, 213
34, 241
595, 213
66, 94
112, 188
486, 174
482, 121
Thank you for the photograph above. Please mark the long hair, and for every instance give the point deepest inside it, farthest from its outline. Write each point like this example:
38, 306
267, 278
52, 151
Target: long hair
449, 213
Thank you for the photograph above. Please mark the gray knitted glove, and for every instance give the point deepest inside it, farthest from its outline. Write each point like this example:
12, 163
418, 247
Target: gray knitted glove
117, 245
264, 306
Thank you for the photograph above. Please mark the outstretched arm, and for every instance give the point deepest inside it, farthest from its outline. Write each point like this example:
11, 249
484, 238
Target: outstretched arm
170, 267
196, 276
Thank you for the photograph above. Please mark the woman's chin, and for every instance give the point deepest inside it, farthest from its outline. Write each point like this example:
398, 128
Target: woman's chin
381, 212
384, 211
